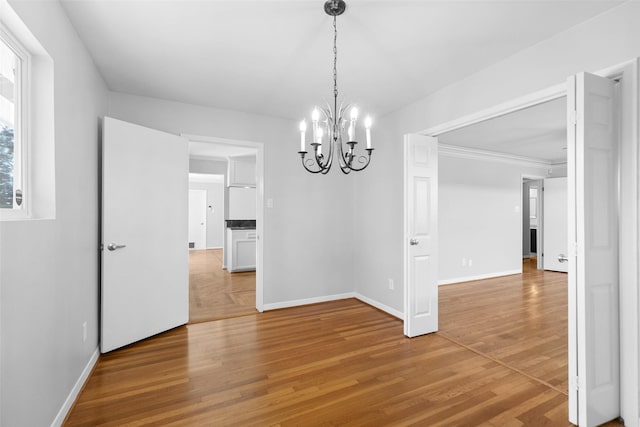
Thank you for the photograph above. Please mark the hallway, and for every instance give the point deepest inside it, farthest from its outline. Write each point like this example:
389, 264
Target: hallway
215, 293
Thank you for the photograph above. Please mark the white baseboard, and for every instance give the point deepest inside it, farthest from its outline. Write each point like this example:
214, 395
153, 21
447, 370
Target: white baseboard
336, 297
479, 277
215, 247
307, 301
73, 395
380, 306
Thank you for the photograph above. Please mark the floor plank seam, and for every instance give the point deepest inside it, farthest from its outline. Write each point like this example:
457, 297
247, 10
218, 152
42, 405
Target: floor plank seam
493, 359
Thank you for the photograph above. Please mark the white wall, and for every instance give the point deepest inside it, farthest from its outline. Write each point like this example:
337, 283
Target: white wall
49, 268
213, 167
480, 216
308, 232
215, 215
606, 40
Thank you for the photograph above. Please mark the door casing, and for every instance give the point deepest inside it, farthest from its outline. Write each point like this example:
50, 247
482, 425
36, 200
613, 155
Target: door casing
259, 147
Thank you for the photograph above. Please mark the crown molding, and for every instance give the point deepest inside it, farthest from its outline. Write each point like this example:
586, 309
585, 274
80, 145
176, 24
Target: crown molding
491, 156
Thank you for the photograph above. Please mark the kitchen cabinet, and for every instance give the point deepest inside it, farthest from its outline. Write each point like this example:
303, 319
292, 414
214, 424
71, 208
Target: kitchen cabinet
242, 203
241, 172
241, 245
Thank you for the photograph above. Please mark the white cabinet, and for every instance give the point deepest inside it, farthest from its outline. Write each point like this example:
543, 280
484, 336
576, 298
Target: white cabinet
242, 203
242, 172
241, 245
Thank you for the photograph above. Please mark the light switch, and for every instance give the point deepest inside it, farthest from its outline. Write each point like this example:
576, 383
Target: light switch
269, 203
516, 209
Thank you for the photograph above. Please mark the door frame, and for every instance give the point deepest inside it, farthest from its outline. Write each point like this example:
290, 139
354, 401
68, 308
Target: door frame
627, 74
259, 147
539, 208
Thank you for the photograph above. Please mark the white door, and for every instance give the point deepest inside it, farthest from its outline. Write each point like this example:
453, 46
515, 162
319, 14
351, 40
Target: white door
421, 235
555, 225
198, 218
594, 378
145, 271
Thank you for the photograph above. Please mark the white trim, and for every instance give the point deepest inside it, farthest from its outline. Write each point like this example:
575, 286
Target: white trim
491, 156
75, 391
478, 277
405, 235
212, 158
629, 249
549, 94
259, 146
380, 306
21, 128
307, 301
517, 104
215, 247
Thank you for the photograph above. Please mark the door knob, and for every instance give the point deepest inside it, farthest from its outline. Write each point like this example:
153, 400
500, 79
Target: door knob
413, 242
562, 258
113, 246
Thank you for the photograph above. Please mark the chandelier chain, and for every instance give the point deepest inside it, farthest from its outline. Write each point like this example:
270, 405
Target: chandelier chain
335, 60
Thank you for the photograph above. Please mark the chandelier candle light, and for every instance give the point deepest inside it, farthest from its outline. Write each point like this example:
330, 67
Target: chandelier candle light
332, 123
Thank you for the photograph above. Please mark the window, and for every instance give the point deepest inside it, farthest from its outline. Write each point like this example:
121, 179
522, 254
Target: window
13, 72
27, 123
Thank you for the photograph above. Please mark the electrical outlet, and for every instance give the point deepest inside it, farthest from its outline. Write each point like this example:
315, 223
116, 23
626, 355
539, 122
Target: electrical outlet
470, 262
84, 331
464, 262
391, 285
269, 203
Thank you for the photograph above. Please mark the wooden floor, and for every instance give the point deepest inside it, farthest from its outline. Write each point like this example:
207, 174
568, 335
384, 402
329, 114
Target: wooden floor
346, 363
215, 293
519, 320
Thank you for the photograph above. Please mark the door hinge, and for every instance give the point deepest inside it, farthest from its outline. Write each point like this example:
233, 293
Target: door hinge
573, 117
574, 382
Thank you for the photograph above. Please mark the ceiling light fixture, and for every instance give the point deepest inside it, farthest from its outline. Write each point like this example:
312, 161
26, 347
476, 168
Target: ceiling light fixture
331, 123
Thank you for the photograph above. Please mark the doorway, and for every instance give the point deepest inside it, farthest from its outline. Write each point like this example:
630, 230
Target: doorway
496, 301
224, 280
532, 220
626, 75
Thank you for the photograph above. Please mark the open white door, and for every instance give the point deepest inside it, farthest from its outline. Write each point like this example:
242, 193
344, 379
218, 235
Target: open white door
594, 378
197, 219
145, 270
421, 235
555, 225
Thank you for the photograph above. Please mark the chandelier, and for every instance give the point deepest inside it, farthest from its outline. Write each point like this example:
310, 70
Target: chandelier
330, 125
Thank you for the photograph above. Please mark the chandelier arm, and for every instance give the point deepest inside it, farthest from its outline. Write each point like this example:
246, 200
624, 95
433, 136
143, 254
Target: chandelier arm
304, 165
344, 163
330, 120
369, 151
311, 170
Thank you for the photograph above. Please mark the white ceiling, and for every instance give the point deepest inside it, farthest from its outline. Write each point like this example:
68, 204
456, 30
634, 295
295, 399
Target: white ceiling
538, 132
275, 57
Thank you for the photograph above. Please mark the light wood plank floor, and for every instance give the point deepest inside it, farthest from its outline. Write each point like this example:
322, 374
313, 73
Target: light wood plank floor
215, 293
520, 320
346, 363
